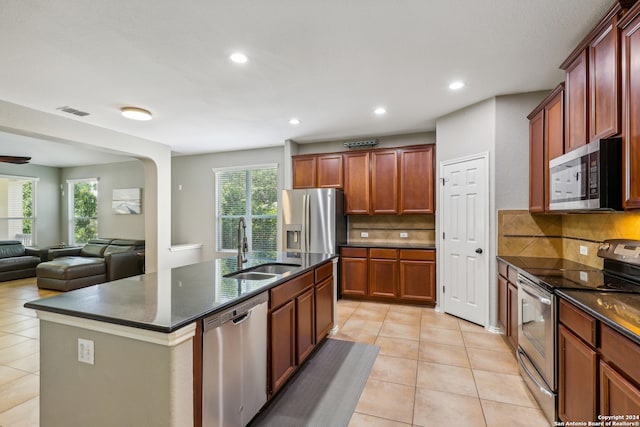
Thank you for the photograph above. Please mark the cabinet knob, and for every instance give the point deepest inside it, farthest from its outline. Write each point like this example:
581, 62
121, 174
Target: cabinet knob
479, 250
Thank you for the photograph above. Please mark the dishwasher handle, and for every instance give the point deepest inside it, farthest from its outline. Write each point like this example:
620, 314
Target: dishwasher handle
241, 319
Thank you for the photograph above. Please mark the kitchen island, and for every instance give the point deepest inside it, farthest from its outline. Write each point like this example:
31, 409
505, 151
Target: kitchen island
126, 352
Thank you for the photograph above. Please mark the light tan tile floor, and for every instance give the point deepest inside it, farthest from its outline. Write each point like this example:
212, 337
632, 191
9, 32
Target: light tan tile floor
432, 369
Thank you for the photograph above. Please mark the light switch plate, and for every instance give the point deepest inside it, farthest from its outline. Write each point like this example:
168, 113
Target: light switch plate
583, 250
404, 235
364, 234
85, 351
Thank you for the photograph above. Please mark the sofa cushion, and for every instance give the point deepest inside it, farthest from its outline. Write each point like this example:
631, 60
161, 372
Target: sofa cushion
11, 248
93, 250
123, 245
18, 263
71, 267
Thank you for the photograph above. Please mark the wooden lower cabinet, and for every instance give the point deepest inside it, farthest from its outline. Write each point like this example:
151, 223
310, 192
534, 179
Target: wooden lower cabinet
300, 316
508, 302
393, 275
324, 308
577, 373
282, 323
502, 302
598, 370
512, 316
617, 395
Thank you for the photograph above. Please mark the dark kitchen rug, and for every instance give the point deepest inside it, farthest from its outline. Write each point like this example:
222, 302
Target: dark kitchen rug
325, 392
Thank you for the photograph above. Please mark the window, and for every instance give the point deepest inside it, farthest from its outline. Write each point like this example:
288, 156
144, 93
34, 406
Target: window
252, 193
17, 209
83, 210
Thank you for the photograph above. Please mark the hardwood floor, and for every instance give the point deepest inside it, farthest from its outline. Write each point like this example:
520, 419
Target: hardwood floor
432, 368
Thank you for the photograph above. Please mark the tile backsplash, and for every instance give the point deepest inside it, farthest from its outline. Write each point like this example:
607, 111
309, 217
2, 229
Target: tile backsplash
372, 229
563, 235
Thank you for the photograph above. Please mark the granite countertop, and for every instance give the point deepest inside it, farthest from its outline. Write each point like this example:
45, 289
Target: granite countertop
542, 263
620, 311
170, 299
391, 245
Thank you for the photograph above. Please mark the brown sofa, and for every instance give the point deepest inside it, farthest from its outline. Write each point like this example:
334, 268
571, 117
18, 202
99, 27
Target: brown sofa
16, 261
99, 261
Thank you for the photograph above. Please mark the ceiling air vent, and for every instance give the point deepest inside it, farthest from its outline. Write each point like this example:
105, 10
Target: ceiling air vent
70, 110
361, 144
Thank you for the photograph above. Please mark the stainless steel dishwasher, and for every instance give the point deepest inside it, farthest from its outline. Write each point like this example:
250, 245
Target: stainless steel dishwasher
234, 364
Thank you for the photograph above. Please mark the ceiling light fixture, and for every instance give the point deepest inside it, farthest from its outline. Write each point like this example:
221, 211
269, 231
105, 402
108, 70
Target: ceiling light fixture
238, 58
456, 85
380, 111
294, 121
135, 113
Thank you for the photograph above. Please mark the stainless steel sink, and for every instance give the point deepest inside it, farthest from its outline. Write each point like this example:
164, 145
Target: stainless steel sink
274, 268
250, 275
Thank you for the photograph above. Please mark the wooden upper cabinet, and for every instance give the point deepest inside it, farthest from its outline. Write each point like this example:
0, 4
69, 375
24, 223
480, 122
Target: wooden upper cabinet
329, 171
356, 182
416, 180
630, 40
604, 82
537, 183
554, 124
304, 171
384, 182
576, 93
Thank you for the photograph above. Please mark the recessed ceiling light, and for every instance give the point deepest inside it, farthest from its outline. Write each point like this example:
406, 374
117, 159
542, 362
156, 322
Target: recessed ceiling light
456, 85
380, 111
135, 113
294, 121
238, 58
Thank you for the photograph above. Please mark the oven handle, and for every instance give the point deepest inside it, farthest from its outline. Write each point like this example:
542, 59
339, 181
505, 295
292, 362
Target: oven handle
527, 288
543, 389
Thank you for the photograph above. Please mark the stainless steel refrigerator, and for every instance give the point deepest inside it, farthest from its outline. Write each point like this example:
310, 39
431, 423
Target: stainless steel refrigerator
313, 220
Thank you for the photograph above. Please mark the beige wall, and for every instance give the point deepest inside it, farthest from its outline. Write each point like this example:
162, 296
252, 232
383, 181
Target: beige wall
523, 234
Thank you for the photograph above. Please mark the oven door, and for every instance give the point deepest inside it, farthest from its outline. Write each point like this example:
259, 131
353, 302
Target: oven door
536, 328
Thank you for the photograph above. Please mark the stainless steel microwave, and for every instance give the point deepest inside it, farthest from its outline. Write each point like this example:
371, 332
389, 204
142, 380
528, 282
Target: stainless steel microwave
587, 178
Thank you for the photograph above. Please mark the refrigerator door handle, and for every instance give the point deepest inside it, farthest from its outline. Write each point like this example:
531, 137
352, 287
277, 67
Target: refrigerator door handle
307, 223
303, 232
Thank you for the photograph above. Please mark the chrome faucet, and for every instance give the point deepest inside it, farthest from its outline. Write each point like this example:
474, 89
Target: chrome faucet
243, 247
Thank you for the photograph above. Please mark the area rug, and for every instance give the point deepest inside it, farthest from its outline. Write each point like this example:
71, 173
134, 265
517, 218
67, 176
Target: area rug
325, 392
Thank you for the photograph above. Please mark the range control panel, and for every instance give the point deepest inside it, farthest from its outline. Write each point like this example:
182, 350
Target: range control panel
624, 250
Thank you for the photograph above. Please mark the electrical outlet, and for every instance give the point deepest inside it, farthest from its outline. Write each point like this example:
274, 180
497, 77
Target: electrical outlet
404, 235
85, 351
583, 250
364, 234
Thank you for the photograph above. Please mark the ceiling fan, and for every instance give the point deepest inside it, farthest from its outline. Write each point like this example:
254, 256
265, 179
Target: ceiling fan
15, 160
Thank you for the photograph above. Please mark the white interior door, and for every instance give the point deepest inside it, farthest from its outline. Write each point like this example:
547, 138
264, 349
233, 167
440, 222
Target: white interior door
465, 229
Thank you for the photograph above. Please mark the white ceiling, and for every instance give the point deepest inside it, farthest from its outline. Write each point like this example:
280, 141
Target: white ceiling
328, 63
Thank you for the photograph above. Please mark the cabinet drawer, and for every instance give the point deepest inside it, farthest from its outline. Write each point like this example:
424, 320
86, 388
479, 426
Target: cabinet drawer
620, 351
418, 254
512, 275
383, 253
288, 290
324, 271
354, 252
579, 322
502, 269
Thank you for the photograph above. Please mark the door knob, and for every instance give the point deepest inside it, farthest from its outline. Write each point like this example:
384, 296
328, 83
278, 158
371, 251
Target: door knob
479, 250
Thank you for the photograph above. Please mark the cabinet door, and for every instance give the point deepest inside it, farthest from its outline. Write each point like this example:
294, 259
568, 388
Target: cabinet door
354, 275
576, 123
356, 183
554, 126
604, 83
329, 171
304, 171
617, 395
512, 314
631, 111
536, 163
324, 308
384, 182
305, 325
502, 303
282, 349
383, 278
416, 180
418, 280
577, 370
